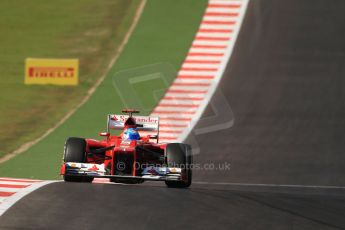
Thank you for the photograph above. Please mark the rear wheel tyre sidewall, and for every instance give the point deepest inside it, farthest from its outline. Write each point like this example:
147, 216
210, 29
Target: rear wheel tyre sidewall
179, 155
75, 151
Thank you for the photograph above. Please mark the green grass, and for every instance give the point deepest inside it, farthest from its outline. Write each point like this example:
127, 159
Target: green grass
89, 30
163, 35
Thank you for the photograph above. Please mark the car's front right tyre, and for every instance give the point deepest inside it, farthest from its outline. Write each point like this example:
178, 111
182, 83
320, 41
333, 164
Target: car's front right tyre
179, 155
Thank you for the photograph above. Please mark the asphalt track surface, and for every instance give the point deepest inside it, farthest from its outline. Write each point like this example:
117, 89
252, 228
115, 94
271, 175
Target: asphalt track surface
285, 85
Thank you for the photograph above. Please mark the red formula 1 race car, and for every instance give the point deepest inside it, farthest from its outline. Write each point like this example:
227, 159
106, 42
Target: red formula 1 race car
132, 157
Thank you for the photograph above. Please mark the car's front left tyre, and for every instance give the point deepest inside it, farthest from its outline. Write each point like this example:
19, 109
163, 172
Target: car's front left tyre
75, 151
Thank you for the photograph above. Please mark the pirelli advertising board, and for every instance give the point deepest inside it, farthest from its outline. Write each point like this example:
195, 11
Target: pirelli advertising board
51, 71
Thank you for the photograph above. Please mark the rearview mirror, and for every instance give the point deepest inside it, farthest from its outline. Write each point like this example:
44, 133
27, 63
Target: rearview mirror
104, 134
153, 136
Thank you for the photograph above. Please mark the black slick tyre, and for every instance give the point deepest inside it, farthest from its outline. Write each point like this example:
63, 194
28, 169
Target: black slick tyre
75, 151
179, 155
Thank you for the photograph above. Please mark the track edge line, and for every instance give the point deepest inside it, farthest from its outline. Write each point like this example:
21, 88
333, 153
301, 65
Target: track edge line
9, 202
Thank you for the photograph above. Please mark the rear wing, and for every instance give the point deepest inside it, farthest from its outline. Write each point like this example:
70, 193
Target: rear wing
147, 125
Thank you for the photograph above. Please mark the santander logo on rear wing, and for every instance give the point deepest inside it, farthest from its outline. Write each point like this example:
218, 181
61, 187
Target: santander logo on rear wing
145, 123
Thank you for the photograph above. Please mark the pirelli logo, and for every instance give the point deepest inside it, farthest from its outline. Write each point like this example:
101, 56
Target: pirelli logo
60, 72
51, 71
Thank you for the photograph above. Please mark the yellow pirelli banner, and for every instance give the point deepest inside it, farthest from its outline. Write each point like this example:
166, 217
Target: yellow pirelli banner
51, 71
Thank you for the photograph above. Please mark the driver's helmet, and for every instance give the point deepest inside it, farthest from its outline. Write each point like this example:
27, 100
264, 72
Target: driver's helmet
131, 134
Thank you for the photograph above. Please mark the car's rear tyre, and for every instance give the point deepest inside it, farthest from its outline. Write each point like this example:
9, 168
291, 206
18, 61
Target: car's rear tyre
75, 151
180, 155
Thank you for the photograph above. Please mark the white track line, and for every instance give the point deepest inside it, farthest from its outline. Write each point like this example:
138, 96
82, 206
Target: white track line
18, 180
270, 185
7, 202
208, 58
193, 65
207, 42
216, 26
15, 183
205, 63
223, 19
221, 10
197, 73
10, 189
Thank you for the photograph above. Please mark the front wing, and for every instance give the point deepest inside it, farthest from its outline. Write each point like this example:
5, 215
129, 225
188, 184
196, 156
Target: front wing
98, 170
